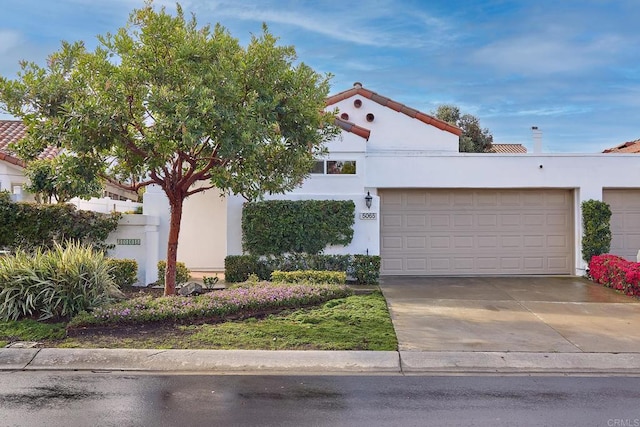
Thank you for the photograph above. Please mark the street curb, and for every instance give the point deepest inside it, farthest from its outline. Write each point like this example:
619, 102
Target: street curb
318, 362
209, 360
519, 362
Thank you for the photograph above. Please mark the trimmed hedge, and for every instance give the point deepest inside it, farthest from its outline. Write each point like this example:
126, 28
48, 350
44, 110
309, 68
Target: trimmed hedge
364, 268
123, 271
615, 272
309, 276
276, 227
596, 240
29, 226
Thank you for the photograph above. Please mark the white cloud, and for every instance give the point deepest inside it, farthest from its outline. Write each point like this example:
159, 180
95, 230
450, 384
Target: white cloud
9, 40
379, 25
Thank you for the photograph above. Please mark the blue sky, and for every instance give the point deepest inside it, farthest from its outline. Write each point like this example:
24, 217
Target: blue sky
570, 67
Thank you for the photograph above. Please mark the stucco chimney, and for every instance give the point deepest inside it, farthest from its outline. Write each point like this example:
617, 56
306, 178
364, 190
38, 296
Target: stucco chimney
537, 139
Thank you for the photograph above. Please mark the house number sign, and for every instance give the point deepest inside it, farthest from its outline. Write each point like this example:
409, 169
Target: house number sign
128, 242
368, 215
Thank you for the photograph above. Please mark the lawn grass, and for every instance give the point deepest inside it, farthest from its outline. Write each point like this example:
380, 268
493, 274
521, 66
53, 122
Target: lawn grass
358, 322
29, 330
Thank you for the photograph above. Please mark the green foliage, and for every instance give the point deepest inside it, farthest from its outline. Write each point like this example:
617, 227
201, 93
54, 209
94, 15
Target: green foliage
30, 330
358, 322
123, 271
210, 280
213, 305
28, 226
309, 276
275, 227
183, 274
63, 178
165, 101
596, 237
57, 283
237, 268
474, 139
364, 268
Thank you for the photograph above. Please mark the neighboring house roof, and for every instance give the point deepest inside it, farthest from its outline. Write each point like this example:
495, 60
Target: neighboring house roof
353, 128
12, 131
357, 89
508, 148
627, 147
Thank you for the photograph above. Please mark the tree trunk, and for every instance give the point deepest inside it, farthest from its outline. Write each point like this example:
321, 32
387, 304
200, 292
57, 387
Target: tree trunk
172, 246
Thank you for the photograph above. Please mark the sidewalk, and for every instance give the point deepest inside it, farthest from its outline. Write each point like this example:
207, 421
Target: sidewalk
318, 362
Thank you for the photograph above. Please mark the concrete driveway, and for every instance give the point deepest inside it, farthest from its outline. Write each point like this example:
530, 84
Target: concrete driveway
518, 314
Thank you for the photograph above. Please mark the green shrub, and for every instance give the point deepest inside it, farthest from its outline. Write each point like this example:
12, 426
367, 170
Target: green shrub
366, 269
237, 268
596, 238
123, 271
274, 227
183, 274
309, 276
57, 283
29, 226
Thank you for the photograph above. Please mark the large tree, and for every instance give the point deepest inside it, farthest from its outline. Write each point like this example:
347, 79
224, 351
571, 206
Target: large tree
164, 101
474, 139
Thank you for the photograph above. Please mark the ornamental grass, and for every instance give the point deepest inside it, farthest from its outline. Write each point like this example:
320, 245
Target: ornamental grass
244, 300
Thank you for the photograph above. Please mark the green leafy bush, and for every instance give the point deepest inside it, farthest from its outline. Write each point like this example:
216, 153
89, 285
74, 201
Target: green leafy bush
275, 227
183, 274
28, 226
596, 238
237, 268
309, 276
364, 268
123, 271
56, 283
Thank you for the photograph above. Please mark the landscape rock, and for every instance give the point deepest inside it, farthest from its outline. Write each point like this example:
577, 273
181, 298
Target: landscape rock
191, 289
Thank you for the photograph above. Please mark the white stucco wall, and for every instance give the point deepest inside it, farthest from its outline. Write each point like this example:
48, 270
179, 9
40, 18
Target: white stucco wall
392, 130
12, 179
137, 238
202, 244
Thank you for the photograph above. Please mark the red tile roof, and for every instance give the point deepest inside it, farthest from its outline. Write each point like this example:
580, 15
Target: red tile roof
627, 147
396, 106
508, 148
353, 128
12, 131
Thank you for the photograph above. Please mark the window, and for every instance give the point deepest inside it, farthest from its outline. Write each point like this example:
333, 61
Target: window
334, 167
341, 167
318, 167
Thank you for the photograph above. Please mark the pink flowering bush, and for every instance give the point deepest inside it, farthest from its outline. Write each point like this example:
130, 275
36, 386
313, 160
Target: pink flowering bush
616, 272
259, 297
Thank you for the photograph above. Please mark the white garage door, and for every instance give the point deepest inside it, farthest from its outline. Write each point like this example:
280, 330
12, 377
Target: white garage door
625, 221
465, 231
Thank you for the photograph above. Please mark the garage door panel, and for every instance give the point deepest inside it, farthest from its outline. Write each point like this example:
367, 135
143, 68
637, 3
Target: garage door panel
464, 220
476, 231
625, 221
487, 220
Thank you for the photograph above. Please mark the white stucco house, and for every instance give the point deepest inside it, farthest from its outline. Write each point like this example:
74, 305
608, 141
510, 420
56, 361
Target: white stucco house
434, 211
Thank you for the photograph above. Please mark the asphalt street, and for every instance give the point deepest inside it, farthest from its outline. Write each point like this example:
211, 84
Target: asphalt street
116, 399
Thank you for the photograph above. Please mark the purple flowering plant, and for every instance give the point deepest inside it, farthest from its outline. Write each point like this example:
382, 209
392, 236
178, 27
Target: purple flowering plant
240, 300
